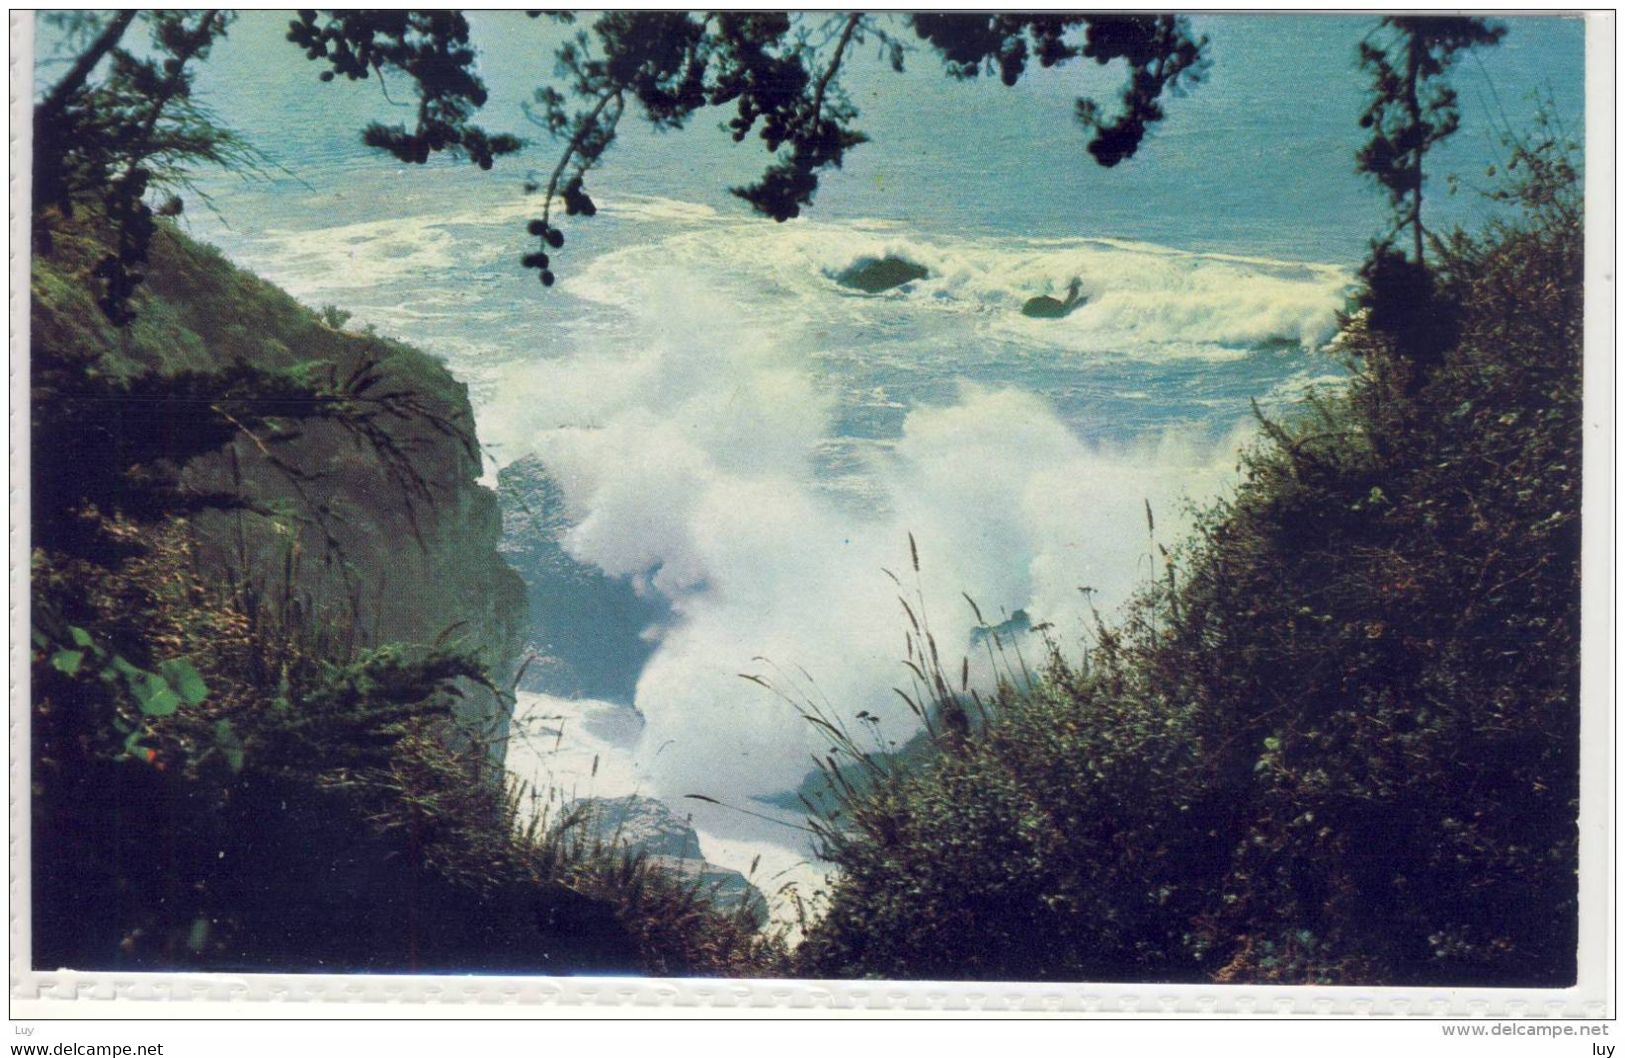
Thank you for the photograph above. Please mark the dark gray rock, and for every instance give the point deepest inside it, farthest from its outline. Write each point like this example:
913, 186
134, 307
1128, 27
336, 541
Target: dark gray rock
644, 826
370, 549
585, 636
639, 824
1045, 307
878, 275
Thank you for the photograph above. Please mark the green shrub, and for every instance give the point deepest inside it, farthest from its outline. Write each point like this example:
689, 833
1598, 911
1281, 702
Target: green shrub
1338, 743
232, 767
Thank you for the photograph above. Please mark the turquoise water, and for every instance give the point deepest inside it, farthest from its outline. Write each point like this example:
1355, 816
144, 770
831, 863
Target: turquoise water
1256, 160
740, 435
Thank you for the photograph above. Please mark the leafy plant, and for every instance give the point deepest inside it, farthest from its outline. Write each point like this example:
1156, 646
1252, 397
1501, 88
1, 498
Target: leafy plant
1339, 742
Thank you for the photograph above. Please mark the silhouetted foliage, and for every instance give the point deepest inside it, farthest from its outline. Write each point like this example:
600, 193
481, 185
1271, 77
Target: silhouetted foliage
781, 76
1413, 108
136, 129
1159, 51
1405, 300
1338, 743
432, 48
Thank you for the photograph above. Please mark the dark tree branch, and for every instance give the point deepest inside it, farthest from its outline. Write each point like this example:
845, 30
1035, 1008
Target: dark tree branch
573, 149
74, 80
852, 22
175, 81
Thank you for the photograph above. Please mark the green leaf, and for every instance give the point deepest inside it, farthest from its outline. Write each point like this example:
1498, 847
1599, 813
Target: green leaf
154, 694
67, 662
80, 637
230, 745
183, 676
199, 934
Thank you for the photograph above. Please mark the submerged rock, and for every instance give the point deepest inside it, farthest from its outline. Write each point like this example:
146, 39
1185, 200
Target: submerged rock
648, 827
1006, 631
1045, 307
878, 275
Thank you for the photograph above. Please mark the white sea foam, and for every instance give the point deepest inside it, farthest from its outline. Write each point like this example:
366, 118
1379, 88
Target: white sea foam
573, 748
328, 261
656, 208
1141, 300
569, 749
687, 459
422, 246
695, 424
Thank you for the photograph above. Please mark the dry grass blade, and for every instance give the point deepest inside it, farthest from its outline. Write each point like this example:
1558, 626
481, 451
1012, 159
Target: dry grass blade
448, 632
912, 707
745, 811
826, 725
519, 674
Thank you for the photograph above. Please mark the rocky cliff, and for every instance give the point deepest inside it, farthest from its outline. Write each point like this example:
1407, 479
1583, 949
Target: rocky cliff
384, 540
235, 499
585, 636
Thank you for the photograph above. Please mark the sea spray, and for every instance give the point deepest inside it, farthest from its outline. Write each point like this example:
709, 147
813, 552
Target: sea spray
689, 464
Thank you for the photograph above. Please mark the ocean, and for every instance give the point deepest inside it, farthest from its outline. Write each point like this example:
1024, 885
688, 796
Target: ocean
753, 444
